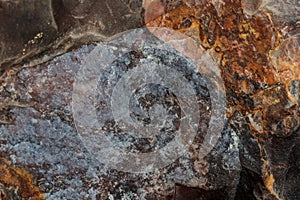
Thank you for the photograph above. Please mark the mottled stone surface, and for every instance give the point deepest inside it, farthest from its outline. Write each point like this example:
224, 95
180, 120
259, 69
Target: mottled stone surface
260, 73
43, 140
256, 44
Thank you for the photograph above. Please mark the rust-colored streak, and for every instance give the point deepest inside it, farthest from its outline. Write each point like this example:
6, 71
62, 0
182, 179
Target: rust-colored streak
18, 180
269, 183
269, 180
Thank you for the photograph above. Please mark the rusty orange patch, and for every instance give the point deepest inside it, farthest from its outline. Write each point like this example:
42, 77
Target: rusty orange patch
19, 180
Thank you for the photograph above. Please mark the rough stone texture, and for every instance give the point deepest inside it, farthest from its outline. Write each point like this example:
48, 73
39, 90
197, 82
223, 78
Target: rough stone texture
261, 73
44, 141
258, 155
35, 31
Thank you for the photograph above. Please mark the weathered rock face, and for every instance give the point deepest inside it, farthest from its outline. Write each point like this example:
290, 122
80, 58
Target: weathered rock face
252, 54
256, 47
35, 31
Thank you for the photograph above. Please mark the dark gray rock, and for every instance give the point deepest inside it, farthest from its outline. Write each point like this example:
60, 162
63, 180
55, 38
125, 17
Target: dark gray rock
34, 31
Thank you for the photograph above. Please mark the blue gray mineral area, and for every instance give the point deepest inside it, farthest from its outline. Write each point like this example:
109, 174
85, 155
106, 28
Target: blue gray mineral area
43, 138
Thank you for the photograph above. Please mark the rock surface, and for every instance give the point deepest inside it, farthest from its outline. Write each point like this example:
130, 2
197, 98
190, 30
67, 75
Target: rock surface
34, 31
256, 45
